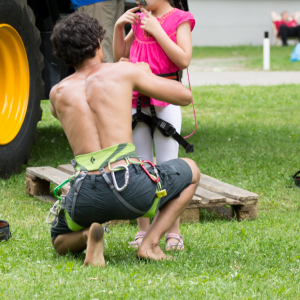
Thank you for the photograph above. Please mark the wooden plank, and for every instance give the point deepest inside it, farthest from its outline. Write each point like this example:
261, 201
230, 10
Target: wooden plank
37, 187
234, 202
225, 189
244, 212
206, 204
207, 195
66, 168
196, 200
51, 175
31, 176
238, 202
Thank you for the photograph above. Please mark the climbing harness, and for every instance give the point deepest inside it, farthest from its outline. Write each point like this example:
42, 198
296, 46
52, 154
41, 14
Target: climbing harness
59, 207
166, 128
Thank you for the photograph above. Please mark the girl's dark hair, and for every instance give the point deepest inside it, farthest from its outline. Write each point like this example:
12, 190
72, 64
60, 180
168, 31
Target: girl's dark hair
76, 38
178, 4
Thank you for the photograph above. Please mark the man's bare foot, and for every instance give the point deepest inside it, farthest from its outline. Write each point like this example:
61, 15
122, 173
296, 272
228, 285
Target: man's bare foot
150, 253
95, 246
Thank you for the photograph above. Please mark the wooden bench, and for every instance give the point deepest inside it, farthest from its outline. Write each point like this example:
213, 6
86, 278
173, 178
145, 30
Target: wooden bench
211, 194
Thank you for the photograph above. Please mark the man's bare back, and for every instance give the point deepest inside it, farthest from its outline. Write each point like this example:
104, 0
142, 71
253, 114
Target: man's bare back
94, 104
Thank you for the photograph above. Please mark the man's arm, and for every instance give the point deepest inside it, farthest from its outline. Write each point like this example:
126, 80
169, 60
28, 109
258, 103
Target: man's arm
156, 87
52, 99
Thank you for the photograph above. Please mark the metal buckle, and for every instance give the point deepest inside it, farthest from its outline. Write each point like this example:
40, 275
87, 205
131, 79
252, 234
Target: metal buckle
114, 178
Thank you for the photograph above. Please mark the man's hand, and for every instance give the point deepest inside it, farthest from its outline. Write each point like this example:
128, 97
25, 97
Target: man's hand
144, 66
150, 23
128, 17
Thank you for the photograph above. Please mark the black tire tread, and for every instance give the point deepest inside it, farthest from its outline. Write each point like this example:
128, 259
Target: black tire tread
12, 162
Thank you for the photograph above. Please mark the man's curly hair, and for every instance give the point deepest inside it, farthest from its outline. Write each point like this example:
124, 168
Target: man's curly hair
76, 38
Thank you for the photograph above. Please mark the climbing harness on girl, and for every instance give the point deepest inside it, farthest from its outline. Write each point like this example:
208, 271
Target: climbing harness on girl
166, 128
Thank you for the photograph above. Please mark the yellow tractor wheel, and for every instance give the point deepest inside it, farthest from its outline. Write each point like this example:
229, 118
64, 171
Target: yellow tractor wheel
20, 80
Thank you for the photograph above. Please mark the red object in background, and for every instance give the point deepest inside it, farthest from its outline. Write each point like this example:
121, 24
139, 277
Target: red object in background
292, 23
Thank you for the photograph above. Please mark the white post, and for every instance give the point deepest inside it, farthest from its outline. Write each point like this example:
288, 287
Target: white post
266, 46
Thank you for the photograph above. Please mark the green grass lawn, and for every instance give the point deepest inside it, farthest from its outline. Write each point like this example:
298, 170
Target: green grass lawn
251, 56
247, 136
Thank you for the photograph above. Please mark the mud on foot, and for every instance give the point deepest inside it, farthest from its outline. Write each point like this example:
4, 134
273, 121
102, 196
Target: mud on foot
95, 246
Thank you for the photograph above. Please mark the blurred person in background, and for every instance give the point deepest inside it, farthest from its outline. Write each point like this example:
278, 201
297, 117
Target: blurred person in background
287, 26
107, 12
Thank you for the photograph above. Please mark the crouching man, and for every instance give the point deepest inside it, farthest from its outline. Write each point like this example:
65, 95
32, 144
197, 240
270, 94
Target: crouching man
94, 108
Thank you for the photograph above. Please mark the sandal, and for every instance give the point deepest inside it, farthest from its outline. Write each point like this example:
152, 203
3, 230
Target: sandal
174, 246
135, 244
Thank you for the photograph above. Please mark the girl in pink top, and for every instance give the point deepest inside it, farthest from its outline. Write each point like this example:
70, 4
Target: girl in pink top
161, 37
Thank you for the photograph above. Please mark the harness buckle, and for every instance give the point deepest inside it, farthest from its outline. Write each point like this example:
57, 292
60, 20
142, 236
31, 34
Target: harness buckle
168, 128
62, 206
162, 193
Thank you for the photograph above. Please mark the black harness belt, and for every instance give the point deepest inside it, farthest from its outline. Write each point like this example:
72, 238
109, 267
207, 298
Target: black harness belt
167, 129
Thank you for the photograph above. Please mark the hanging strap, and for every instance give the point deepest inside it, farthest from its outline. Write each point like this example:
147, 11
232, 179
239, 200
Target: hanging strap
77, 186
139, 116
122, 200
167, 129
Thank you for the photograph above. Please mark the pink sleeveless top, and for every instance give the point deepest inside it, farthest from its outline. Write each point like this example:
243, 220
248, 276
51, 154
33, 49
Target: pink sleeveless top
146, 49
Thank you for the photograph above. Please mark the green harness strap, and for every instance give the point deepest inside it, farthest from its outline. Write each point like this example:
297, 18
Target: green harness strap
100, 159
71, 224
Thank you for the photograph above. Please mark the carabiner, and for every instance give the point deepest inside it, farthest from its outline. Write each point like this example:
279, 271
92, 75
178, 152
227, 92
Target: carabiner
56, 189
155, 171
114, 178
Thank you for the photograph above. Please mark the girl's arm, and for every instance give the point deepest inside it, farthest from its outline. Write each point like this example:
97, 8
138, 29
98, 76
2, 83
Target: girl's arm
181, 53
166, 90
121, 46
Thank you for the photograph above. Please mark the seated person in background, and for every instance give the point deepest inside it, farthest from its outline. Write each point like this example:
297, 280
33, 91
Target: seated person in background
287, 26
94, 108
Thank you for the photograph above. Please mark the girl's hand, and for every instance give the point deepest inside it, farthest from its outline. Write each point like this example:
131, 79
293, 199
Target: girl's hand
124, 59
129, 17
150, 23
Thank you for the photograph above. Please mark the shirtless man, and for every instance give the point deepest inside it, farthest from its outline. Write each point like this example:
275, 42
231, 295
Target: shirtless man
94, 108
